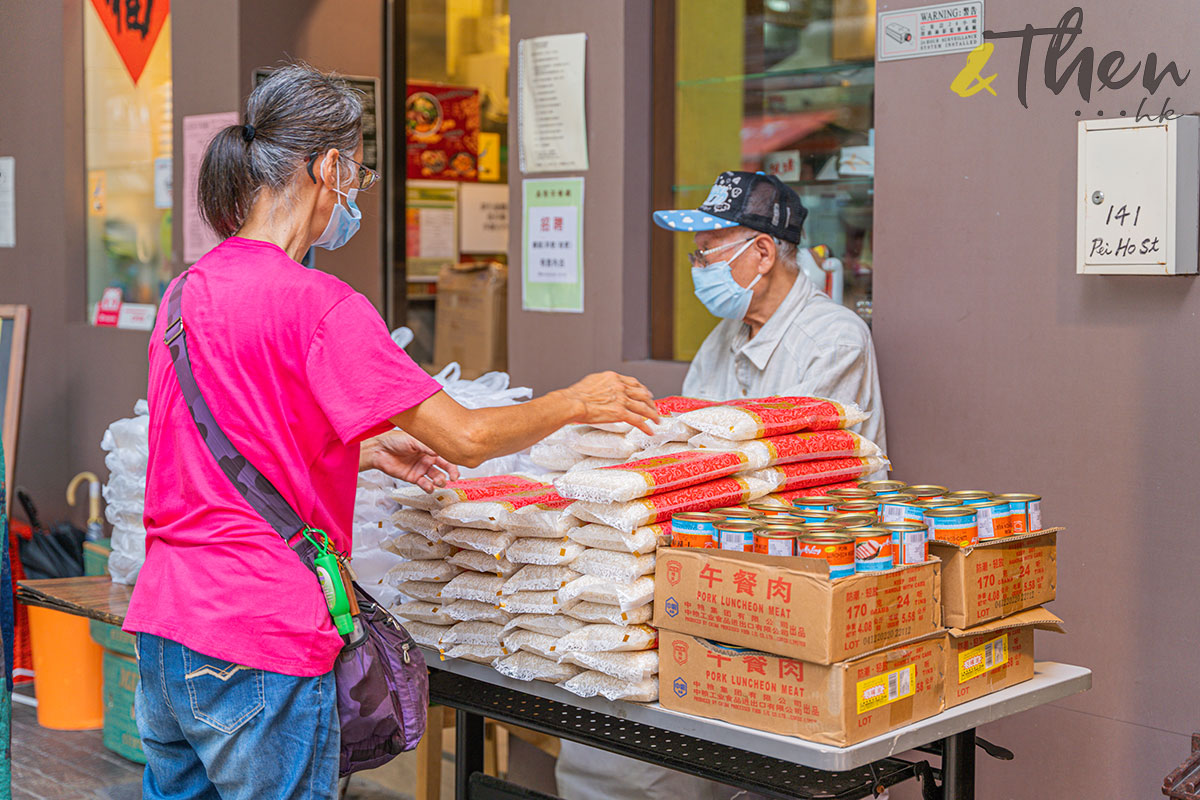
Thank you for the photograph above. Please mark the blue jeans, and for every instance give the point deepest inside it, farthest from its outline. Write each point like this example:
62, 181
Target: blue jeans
214, 729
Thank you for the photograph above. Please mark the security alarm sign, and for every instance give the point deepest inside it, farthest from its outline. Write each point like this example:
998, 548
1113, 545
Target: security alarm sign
929, 30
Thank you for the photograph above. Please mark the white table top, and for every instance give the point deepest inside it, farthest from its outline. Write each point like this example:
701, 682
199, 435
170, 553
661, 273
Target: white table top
1051, 681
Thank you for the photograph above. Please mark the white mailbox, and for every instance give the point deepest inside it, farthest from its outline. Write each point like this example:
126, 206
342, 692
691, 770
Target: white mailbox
1138, 210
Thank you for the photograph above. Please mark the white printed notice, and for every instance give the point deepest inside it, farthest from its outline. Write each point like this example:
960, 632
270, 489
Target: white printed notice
198, 131
8, 193
550, 106
552, 274
929, 30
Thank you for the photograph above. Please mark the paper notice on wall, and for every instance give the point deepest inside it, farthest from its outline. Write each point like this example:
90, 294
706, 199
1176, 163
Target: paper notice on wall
550, 100
198, 131
8, 194
484, 212
552, 274
929, 30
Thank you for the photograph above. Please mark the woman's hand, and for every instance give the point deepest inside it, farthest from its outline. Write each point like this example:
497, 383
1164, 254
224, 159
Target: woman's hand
403, 457
609, 397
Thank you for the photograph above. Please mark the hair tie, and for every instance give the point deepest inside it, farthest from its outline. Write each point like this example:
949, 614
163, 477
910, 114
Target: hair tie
248, 132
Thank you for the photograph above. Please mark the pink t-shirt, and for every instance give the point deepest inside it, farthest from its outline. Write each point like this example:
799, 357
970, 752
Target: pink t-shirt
298, 369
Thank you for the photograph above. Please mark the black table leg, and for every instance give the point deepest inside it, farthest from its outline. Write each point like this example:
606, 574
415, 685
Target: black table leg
958, 766
468, 752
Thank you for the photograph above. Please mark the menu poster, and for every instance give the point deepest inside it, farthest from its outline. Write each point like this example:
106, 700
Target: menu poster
550, 99
552, 267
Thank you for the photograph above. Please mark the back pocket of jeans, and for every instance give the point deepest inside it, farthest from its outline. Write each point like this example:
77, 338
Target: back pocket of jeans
223, 695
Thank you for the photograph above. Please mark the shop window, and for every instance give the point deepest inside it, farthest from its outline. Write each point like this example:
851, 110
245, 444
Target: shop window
128, 149
456, 116
782, 86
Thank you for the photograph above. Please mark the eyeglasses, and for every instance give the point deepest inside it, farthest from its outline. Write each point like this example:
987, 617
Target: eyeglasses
365, 176
699, 258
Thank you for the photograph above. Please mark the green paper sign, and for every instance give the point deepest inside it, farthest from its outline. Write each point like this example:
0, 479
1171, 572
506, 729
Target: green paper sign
552, 243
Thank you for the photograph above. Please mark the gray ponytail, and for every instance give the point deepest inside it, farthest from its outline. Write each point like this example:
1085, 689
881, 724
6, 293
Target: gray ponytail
296, 112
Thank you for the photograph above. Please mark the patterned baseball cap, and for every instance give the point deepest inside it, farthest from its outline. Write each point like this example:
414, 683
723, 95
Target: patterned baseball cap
753, 199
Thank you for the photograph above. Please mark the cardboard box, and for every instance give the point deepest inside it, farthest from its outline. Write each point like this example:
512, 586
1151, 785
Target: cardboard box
840, 704
442, 125
472, 318
998, 577
994, 655
788, 605
120, 728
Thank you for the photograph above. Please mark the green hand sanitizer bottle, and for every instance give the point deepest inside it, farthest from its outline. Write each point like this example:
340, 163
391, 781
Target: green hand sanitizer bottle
330, 577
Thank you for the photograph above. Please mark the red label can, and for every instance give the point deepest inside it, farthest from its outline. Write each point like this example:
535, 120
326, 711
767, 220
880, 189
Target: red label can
837, 550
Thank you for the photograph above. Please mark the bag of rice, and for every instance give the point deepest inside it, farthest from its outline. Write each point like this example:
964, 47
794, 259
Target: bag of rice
414, 497
531, 642
591, 462
675, 405
481, 562
554, 625
669, 429
474, 586
433, 571
786, 498
643, 540
549, 520
535, 578
493, 543
547, 552
634, 514
632, 667
428, 591
479, 653
470, 489
625, 596
431, 613
414, 520
650, 476
475, 611
818, 473
771, 416
792, 447
609, 639
552, 456
416, 547
425, 634
530, 667
530, 602
492, 513
603, 444
613, 615
613, 566
472, 633
567, 434
592, 683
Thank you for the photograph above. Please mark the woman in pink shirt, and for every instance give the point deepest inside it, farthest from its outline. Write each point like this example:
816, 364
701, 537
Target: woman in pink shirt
235, 641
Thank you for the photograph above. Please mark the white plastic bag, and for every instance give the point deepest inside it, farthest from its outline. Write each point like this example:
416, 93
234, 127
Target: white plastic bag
603, 638
634, 667
613, 566
625, 596
525, 666
592, 683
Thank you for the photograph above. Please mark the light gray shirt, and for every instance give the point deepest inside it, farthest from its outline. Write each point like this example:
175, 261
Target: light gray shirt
811, 346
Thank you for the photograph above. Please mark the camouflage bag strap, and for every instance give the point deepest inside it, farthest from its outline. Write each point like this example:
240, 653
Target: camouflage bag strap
259, 492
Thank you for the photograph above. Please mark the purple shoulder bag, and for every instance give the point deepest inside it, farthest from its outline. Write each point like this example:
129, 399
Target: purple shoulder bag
382, 683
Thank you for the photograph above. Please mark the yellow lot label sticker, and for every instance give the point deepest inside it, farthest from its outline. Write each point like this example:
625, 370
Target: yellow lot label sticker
887, 688
978, 660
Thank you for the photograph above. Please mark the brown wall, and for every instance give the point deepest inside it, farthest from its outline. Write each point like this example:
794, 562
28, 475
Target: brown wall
549, 350
1003, 368
80, 378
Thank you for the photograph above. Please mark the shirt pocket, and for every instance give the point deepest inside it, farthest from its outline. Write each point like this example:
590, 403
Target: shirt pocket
223, 695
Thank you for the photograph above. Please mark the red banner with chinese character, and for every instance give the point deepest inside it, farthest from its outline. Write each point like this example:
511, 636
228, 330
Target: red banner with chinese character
133, 26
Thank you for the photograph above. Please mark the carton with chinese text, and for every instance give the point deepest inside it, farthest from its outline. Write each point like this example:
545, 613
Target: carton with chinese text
789, 606
840, 704
997, 577
994, 655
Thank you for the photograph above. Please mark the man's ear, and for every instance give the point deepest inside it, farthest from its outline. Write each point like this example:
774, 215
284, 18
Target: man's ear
764, 246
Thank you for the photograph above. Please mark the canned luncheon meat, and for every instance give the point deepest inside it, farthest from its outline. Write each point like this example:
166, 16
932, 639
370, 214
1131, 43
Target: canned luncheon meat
872, 549
884, 488
938, 502
897, 507
1025, 511
769, 509
853, 520
813, 515
736, 535
859, 507
958, 525
836, 549
851, 493
993, 519
971, 497
775, 542
910, 543
735, 513
927, 491
691, 525
814, 504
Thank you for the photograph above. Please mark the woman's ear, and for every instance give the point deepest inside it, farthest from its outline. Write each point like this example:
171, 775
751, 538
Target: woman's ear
327, 167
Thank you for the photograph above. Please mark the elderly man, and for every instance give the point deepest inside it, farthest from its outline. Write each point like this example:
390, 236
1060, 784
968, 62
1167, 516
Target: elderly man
778, 335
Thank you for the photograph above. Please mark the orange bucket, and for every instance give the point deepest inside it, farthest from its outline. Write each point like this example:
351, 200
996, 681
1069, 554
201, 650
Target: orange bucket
68, 678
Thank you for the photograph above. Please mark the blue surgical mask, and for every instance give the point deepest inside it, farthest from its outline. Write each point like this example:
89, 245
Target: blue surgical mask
343, 220
719, 292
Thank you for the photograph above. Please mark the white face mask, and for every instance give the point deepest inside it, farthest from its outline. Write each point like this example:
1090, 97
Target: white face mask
716, 288
343, 220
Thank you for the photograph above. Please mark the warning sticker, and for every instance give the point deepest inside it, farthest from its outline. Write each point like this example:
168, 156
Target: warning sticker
978, 660
929, 30
887, 688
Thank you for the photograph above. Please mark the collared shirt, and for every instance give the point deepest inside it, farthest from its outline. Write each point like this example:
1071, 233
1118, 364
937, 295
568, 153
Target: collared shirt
811, 346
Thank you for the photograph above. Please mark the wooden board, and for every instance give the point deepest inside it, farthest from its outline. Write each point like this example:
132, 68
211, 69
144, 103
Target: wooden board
95, 597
